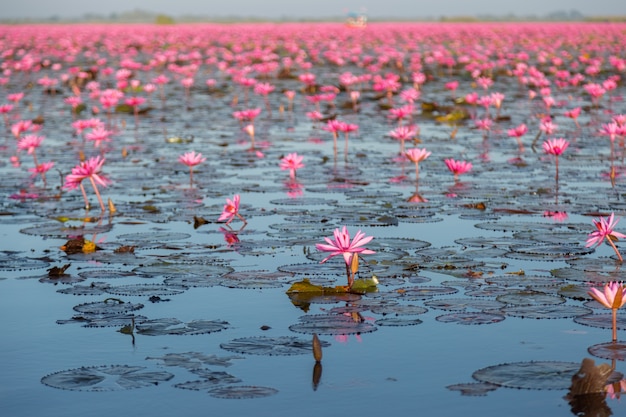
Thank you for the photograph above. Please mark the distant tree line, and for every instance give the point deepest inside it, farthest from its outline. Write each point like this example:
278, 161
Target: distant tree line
143, 16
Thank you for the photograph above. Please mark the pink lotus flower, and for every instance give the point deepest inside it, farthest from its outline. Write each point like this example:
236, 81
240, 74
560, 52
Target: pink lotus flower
99, 135
231, 210
191, 159
417, 155
247, 115
573, 114
41, 169
458, 167
20, 127
613, 297
555, 146
341, 245
292, 162
605, 230
29, 143
403, 133
88, 169
517, 133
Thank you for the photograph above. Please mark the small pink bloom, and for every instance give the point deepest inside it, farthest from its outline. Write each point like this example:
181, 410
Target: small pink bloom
191, 158
458, 167
292, 162
555, 146
231, 210
341, 245
417, 155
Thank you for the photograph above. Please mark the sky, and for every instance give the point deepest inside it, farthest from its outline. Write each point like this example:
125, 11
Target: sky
277, 9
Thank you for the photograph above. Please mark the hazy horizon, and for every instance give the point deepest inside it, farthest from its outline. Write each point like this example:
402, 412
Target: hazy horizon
281, 9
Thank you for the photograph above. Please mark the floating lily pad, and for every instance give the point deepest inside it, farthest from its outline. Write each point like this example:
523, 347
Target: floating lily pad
470, 318
547, 252
525, 281
200, 275
492, 242
58, 279
609, 266
105, 320
194, 360
390, 243
145, 290
545, 311
399, 310
611, 350
238, 392
15, 262
459, 304
271, 346
193, 280
574, 292
164, 236
451, 263
424, 293
105, 274
106, 378
398, 321
96, 288
304, 201
603, 321
516, 226
530, 375
529, 297
598, 277
487, 291
255, 279
107, 307
159, 327
331, 324
210, 380
473, 389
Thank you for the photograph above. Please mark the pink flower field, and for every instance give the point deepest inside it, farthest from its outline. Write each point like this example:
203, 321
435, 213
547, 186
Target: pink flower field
200, 180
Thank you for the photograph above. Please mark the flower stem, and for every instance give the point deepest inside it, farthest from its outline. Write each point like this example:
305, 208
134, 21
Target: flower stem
614, 311
95, 189
82, 189
619, 256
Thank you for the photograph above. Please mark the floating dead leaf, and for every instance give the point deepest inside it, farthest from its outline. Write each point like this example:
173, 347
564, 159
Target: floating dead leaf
477, 206
125, 249
79, 245
199, 221
112, 208
359, 286
56, 271
317, 348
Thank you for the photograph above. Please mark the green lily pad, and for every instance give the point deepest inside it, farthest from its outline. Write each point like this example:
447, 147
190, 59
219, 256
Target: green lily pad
271, 346
530, 375
106, 378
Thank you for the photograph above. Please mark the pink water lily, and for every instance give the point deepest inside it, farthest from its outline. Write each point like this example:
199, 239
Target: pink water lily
341, 245
417, 155
555, 147
458, 167
191, 159
614, 297
231, 210
88, 169
350, 250
605, 230
292, 162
